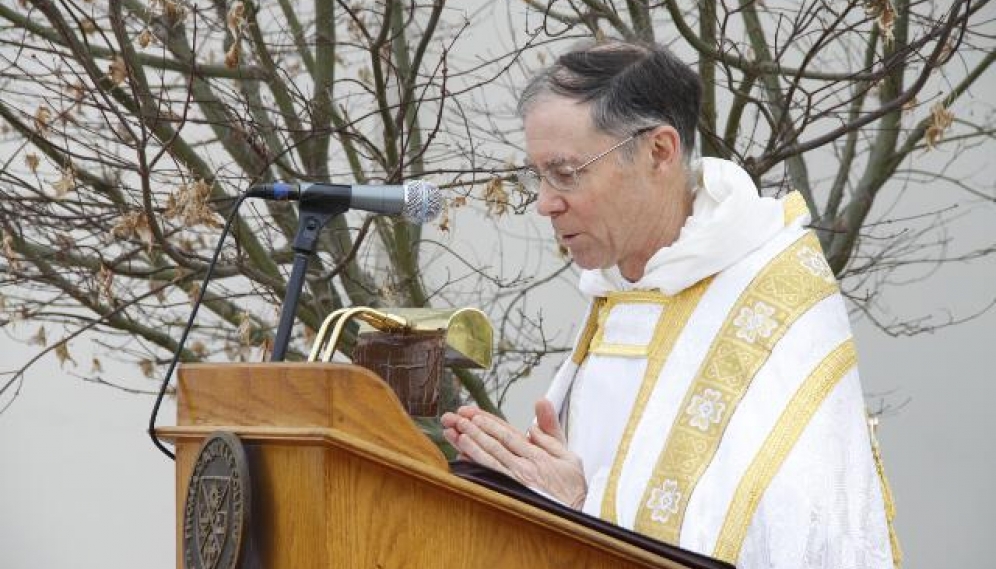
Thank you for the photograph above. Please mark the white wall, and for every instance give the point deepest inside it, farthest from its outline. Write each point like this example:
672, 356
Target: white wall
81, 485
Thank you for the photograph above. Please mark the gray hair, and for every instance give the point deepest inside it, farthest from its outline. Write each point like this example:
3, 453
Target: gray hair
629, 86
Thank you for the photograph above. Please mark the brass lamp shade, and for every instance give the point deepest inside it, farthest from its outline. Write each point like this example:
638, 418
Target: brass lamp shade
468, 333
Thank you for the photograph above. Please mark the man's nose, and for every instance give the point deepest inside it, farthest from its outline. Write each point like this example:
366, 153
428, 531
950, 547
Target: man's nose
549, 202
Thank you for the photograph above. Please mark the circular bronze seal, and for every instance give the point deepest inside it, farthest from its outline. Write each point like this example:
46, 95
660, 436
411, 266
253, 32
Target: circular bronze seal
216, 513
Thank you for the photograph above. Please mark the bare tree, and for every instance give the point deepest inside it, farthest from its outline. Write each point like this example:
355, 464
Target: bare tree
130, 126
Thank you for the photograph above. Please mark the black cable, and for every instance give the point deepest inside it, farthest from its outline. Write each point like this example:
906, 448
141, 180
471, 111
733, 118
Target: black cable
186, 330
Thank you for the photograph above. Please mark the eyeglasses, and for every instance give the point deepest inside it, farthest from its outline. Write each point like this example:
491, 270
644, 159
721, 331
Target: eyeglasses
566, 178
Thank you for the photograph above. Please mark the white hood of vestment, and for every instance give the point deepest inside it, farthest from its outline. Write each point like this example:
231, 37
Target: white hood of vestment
729, 220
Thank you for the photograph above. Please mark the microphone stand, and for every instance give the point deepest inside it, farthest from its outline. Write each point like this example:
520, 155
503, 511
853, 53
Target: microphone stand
312, 217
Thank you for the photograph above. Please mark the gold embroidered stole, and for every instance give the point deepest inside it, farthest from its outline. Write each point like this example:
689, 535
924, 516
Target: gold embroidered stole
788, 286
783, 436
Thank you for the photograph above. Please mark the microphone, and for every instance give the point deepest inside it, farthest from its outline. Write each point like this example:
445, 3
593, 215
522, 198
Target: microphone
417, 201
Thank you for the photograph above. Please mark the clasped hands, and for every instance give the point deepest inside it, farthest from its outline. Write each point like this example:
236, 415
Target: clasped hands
539, 458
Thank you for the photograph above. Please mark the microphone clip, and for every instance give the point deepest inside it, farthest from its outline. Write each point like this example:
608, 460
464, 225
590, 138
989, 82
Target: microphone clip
312, 217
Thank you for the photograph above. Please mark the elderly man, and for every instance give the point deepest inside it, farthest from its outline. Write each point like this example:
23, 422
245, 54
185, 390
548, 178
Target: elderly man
712, 400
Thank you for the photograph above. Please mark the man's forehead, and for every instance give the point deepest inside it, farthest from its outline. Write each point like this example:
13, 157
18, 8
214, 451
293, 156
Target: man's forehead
559, 131
554, 114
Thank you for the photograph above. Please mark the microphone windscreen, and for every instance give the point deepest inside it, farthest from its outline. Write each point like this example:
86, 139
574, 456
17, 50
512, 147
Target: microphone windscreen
423, 201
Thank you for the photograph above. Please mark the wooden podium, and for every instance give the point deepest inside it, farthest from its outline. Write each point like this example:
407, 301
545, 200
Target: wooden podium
342, 478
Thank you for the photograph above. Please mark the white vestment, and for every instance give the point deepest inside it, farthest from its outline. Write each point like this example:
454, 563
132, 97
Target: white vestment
715, 403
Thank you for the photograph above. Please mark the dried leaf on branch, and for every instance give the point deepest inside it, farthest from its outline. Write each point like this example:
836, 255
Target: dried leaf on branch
42, 117
39, 339
193, 291
173, 11
62, 354
444, 219
236, 19
117, 72
65, 183
145, 38
190, 204
940, 120
233, 55
105, 282
133, 224
13, 258
885, 17
496, 197
148, 367
31, 160
64, 242
78, 91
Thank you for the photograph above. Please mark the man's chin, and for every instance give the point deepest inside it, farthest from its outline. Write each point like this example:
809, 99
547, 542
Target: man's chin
586, 262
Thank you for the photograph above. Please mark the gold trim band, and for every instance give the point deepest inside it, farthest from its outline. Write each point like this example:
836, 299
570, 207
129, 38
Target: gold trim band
621, 350
614, 299
794, 206
590, 327
776, 447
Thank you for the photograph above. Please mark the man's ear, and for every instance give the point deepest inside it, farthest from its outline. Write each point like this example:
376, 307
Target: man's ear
665, 147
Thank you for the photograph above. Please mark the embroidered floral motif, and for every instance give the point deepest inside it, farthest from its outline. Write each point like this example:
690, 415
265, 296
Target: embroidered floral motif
754, 322
664, 501
814, 262
705, 409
